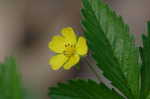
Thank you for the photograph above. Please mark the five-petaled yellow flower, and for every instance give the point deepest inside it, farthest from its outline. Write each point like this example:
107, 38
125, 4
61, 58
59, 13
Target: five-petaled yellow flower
68, 47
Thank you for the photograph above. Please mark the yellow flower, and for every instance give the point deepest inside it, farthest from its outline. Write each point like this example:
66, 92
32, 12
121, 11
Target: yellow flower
68, 47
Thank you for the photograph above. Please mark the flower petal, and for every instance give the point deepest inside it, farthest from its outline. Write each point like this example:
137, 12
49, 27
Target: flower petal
81, 46
57, 61
57, 44
71, 62
69, 35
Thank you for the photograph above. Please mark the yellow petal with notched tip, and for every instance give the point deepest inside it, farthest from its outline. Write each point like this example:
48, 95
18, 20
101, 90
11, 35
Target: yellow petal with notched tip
73, 60
56, 62
69, 35
81, 46
57, 44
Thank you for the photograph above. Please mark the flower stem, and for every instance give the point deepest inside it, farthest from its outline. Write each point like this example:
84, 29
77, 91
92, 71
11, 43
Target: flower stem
93, 70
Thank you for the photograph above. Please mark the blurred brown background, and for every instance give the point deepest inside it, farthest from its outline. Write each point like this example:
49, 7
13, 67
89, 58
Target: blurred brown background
26, 26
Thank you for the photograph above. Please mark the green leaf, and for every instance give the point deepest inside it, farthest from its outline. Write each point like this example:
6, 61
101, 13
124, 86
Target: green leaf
122, 43
10, 87
80, 89
148, 96
145, 71
112, 46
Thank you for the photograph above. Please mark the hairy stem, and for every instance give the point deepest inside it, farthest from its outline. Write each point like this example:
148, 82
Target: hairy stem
92, 68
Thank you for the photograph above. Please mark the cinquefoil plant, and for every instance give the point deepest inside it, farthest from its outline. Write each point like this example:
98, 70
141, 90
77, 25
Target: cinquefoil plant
115, 52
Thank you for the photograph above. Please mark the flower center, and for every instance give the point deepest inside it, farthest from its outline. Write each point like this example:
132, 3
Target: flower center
69, 50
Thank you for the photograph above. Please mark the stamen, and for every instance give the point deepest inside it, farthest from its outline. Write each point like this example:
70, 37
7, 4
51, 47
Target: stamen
69, 49
66, 45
